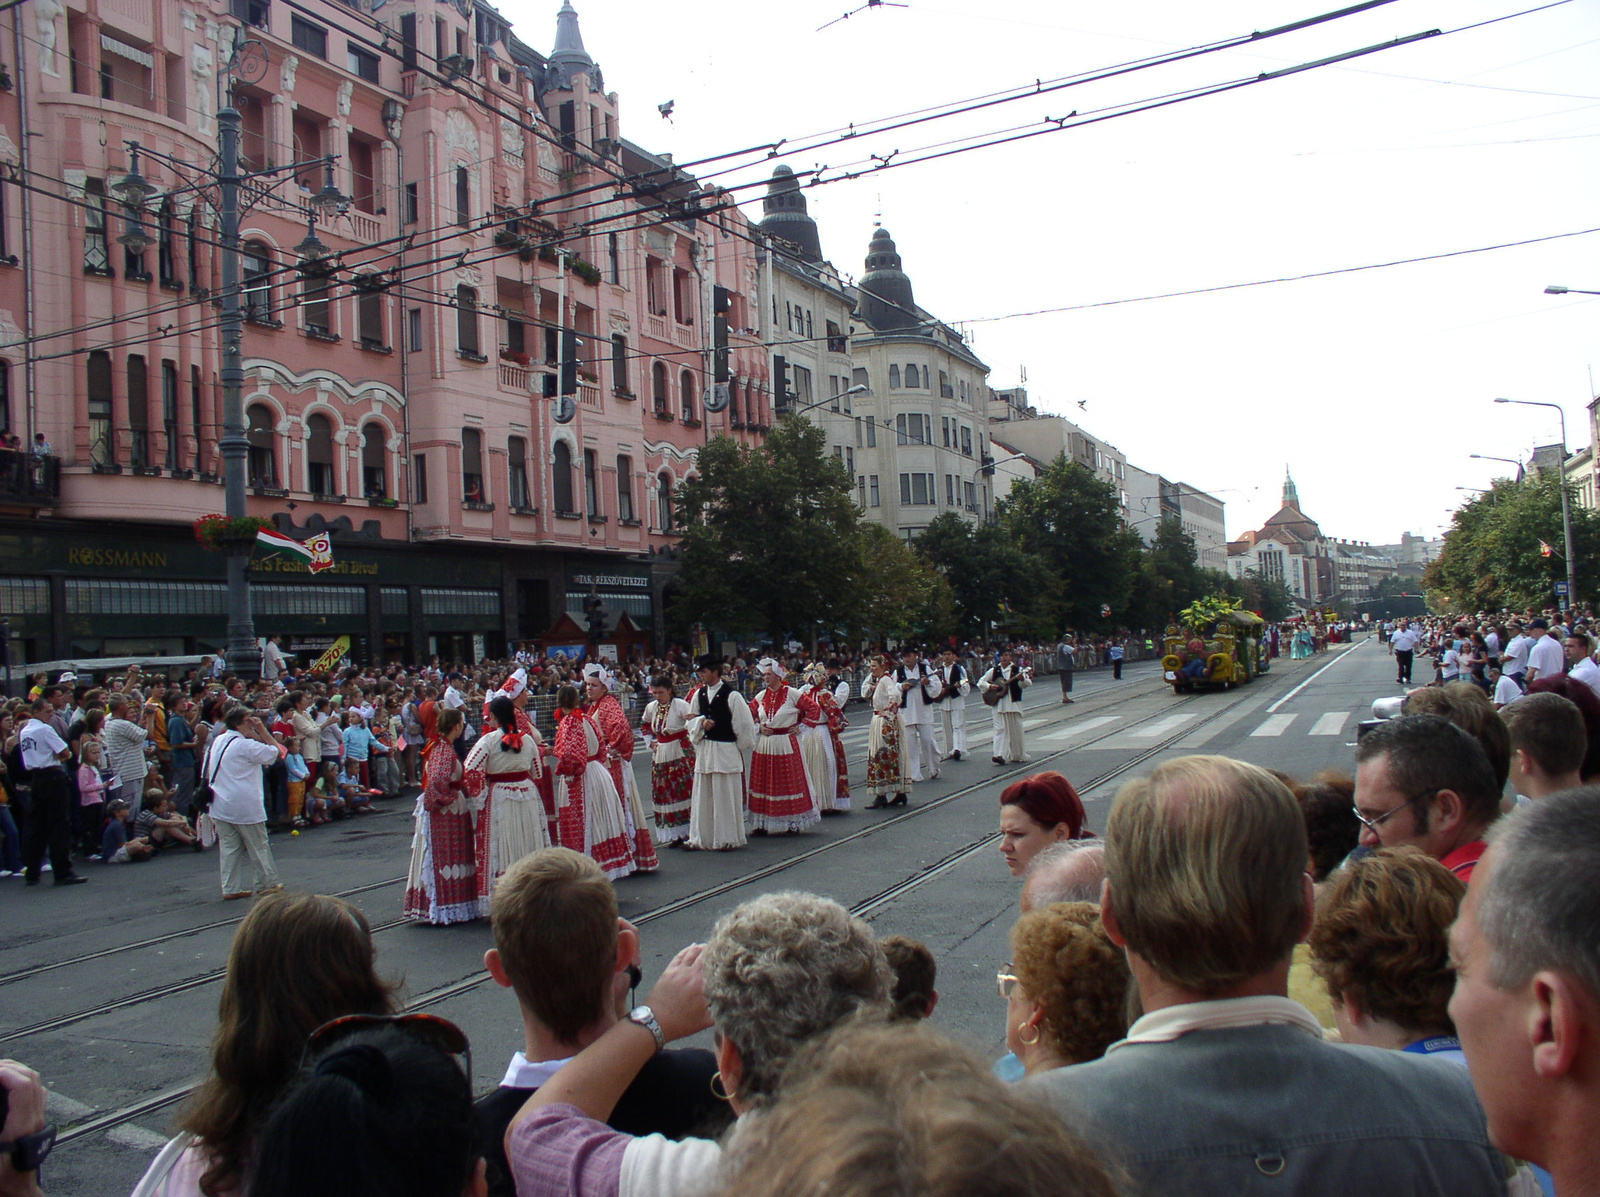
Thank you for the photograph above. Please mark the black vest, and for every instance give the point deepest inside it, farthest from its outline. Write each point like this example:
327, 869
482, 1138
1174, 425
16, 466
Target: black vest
951, 689
900, 676
719, 719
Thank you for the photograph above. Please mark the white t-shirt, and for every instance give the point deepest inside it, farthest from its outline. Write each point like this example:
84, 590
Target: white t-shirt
271, 661
1587, 672
1515, 658
1450, 665
1546, 656
40, 743
234, 763
1506, 691
1405, 641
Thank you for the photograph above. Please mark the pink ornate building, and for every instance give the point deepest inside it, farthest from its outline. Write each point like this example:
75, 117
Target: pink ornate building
409, 395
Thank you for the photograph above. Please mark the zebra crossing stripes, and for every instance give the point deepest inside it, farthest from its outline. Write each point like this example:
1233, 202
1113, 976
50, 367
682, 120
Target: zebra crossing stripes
1331, 724
1078, 728
1274, 725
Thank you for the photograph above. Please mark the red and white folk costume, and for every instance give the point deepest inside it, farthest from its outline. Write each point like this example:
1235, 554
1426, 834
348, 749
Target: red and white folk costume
837, 796
442, 885
618, 735
666, 730
501, 772
591, 817
781, 798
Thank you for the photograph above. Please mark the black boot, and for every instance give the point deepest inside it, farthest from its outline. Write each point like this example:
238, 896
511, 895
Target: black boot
900, 799
878, 803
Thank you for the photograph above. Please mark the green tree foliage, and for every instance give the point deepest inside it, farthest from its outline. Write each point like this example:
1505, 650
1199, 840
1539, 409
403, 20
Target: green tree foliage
1072, 521
905, 596
1491, 555
990, 577
772, 538
1168, 577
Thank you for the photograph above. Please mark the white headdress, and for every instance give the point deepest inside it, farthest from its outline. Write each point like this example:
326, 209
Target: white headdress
515, 684
767, 665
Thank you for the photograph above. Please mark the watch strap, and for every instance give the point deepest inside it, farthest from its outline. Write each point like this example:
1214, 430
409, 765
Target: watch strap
646, 1018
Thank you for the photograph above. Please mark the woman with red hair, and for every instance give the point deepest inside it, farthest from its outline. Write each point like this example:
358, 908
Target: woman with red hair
1036, 812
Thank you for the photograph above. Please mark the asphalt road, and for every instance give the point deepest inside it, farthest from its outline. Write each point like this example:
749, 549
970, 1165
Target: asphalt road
110, 989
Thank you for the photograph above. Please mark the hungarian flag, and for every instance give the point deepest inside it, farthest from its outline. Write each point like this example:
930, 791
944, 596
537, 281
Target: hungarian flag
285, 546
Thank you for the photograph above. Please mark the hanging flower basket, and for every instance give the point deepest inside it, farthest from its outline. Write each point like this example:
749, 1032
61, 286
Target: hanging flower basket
220, 534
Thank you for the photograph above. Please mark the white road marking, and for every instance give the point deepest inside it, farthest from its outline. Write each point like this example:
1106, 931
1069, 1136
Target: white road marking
1344, 656
1079, 727
64, 1109
1149, 731
1331, 724
1274, 725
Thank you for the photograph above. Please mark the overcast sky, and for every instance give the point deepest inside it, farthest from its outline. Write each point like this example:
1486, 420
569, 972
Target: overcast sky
1372, 387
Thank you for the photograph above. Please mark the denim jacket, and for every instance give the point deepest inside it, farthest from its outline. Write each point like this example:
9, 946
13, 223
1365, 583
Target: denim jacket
1271, 1109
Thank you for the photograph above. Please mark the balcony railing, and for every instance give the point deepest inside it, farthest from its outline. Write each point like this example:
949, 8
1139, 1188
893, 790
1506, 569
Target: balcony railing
514, 378
30, 479
589, 395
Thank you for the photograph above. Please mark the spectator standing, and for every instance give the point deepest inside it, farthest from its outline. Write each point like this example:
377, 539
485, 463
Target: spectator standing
1117, 652
1421, 780
1066, 991
272, 658
1545, 655
1580, 662
124, 740
1527, 998
1066, 661
44, 755
181, 737
1548, 742
1224, 1081
1404, 642
233, 765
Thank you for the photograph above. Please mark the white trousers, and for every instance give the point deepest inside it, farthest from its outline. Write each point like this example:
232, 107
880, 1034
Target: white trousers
1008, 737
953, 722
923, 752
243, 848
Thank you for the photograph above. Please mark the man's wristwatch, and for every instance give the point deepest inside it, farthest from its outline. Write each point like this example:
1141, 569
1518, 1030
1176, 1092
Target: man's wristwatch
646, 1018
29, 1151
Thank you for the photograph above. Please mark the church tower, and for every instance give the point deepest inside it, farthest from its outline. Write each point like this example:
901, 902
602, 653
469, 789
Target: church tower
1291, 497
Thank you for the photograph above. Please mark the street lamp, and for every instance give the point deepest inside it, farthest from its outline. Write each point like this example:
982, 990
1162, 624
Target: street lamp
1566, 506
243, 653
1556, 289
1490, 457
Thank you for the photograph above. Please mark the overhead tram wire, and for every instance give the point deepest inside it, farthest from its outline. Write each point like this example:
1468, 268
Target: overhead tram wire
407, 240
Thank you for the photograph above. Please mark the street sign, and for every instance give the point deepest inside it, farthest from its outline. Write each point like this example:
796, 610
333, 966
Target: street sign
1561, 589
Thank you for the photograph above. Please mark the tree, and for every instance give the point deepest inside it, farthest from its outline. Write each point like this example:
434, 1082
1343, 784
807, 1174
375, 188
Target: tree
1168, 577
1492, 556
1073, 522
771, 537
990, 577
908, 598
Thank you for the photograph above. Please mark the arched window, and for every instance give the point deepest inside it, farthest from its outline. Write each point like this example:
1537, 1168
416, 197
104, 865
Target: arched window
686, 394
658, 388
664, 500
561, 479
913, 378
319, 455
374, 463
733, 404
894, 377
263, 460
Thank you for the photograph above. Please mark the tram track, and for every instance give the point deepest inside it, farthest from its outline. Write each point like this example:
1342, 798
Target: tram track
443, 993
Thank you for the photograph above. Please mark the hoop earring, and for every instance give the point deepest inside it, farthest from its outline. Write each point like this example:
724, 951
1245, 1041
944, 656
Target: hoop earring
722, 1094
1021, 1027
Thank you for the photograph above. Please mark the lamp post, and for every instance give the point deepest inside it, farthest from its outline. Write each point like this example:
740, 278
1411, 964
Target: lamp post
1555, 289
1566, 506
1490, 457
242, 653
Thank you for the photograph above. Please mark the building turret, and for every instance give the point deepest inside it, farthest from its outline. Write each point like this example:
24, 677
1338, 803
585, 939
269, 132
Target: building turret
886, 301
569, 58
785, 214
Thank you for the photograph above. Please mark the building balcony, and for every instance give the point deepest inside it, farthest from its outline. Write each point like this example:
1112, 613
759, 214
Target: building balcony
29, 480
589, 396
513, 377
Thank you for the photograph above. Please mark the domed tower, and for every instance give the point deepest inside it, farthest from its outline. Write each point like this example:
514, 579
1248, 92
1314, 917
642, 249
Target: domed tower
886, 301
785, 214
569, 59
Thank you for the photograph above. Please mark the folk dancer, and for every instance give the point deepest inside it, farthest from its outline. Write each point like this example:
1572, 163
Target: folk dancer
515, 687
1010, 679
442, 886
837, 686
722, 731
781, 797
499, 777
816, 747
918, 689
592, 817
666, 732
954, 686
836, 799
887, 770
607, 714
